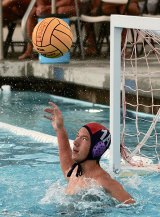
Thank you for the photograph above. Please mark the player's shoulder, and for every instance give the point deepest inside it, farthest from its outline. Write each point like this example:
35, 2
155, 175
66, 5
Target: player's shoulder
103, 177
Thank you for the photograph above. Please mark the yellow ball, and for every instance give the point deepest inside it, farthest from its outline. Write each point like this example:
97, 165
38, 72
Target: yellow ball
52, 37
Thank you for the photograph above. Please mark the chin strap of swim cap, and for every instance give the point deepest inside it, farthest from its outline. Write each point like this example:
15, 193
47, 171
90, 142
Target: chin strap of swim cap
79, 170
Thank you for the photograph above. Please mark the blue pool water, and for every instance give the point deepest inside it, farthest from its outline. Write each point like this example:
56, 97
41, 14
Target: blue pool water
31, 181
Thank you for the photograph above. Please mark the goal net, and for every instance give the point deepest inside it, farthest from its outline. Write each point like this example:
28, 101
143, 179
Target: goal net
135, 93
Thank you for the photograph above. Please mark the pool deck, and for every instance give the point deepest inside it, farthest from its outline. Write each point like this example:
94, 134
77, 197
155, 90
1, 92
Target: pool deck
91, 73
87, 80
71, 80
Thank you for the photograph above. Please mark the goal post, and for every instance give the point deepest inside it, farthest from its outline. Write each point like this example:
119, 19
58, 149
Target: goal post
115, 74
118, 68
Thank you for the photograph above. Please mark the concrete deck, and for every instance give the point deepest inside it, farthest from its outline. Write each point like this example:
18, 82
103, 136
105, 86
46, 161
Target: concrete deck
89, 73
87, 80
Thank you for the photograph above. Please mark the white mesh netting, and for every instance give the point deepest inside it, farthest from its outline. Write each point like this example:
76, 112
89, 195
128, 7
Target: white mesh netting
140, 137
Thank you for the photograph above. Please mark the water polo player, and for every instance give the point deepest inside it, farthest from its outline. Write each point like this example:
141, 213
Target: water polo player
81, 164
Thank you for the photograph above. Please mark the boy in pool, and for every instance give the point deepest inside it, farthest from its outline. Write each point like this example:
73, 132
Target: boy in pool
82, 162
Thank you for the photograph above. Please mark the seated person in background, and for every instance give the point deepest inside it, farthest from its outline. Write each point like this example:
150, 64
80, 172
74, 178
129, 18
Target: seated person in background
31, 23
108, 8
81, 166
133, 9
151, 6
62, 7
101, 8
13, 10
43, 7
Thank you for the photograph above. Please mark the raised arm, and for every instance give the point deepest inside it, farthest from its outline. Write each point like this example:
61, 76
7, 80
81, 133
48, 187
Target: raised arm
65, 152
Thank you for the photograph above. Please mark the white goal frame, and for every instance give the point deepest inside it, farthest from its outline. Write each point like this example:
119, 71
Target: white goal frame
118, 22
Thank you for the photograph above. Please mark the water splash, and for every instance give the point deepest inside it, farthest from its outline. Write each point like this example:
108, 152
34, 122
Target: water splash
134, 181
93, 198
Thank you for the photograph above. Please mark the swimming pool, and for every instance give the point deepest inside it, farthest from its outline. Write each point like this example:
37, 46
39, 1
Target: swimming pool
31, 181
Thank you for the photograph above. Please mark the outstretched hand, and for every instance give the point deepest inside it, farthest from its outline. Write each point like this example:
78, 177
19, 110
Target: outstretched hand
55, 116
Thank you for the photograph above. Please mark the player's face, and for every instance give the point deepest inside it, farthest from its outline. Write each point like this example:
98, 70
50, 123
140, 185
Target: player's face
81, 145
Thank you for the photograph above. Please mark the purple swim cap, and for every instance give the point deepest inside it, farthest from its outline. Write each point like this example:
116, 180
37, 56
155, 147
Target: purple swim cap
100, 140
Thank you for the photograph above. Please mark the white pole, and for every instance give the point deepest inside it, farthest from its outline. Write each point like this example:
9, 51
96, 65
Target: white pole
115, 84
53, 7
1, 32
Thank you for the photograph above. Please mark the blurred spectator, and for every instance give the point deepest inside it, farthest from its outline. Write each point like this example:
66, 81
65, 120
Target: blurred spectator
133, 8
62, 7
101, 8
13, 10
43, 7
31, 23
92, 7
151, 6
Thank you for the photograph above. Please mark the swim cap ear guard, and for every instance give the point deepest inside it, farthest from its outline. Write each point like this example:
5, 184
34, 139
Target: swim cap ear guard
100, 140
